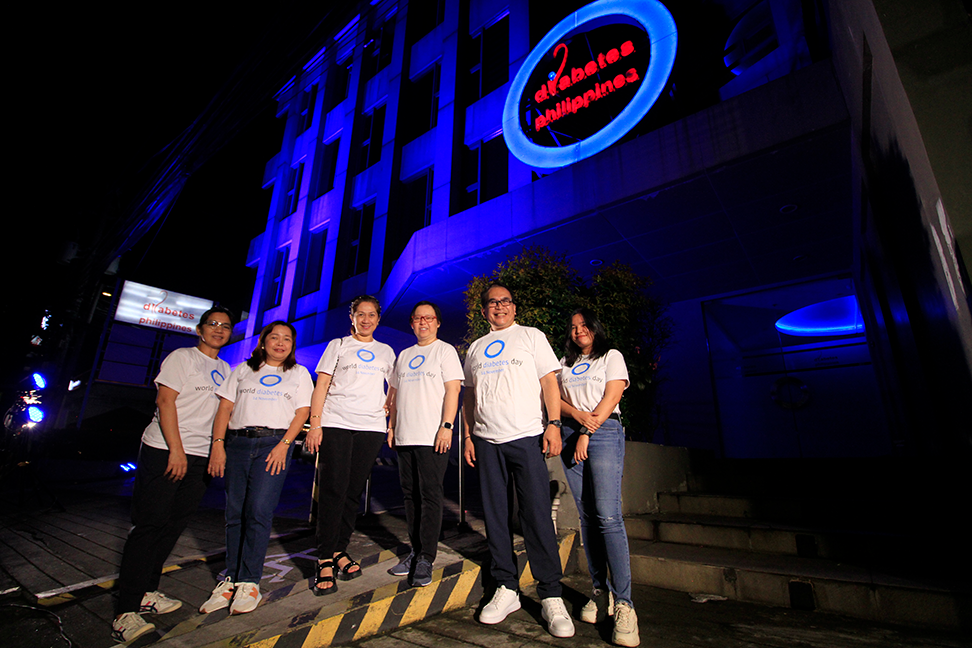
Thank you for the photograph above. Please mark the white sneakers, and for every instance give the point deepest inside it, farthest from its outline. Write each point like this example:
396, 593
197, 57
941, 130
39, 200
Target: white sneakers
220, 598
507, 601
599, 607
503, 603
239, 597
555, 614
625, 626
130, 626
158, 603
246, 599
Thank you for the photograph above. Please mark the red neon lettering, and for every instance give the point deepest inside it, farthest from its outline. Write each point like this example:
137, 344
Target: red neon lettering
561, 82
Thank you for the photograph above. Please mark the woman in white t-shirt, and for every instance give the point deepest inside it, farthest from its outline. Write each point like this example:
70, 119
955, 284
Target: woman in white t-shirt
592, 381
171, 478
263, 406
348, 426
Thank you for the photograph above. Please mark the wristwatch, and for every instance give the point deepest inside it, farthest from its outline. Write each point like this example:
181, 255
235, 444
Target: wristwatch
555, 423
586, 432
447, 425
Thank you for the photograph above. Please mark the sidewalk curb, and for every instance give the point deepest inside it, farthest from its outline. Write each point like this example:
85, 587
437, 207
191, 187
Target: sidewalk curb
381, 610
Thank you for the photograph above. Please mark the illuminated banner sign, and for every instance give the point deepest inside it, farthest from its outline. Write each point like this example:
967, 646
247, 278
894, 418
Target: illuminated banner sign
590, 80
161, 309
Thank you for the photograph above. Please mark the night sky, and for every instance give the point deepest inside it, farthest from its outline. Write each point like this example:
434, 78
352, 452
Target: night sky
100, 94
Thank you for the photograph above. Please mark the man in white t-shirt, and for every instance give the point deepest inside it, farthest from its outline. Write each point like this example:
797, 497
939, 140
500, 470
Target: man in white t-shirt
510, 375
423, 399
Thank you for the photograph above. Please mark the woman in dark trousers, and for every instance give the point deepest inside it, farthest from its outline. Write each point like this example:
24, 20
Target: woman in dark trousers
171, 476
348, 427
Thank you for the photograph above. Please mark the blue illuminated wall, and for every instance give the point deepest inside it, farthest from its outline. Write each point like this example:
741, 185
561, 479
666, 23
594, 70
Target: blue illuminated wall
394, 179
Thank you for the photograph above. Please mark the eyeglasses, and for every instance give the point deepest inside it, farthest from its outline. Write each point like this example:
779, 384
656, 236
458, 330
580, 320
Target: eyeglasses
217, 325
423, 318
495, 303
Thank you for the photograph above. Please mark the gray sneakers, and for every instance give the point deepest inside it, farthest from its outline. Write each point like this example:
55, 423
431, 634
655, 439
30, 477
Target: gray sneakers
423, 573
405, 566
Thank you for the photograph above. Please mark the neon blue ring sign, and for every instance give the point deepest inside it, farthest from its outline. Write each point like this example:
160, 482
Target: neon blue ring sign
663, 36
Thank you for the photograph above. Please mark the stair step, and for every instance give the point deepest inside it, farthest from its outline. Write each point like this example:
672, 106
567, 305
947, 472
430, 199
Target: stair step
766, 536
798, 582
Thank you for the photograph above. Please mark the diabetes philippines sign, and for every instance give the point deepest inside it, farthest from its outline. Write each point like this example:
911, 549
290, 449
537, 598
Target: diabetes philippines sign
589, 81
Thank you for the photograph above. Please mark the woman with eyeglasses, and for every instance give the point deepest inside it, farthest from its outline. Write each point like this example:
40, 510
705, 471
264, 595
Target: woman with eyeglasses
171, 478
423, 399
592, 381
348, 427
263, 406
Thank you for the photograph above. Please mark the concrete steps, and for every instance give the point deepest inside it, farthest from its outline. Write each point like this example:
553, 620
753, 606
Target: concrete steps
824, 549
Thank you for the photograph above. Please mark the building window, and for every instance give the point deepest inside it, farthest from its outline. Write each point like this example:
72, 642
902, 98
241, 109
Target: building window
422, 18
487, 60
371, 129
313, 263
341, 81
307, 100
293, 192
412, 212
422, 101
357, 240
276, 285
377, 49
483, 173
327, 166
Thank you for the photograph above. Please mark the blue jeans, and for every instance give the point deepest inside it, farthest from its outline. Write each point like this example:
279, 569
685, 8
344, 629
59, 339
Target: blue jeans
252, 494
596, 486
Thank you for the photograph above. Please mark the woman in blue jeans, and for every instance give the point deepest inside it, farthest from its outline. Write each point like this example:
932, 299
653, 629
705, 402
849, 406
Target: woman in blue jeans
592, 382
263, 405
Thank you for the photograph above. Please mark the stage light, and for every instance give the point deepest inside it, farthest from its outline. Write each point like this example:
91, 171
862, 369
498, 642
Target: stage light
40, 382
35, 414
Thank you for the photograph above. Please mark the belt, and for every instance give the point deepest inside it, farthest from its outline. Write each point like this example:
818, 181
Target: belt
256, 432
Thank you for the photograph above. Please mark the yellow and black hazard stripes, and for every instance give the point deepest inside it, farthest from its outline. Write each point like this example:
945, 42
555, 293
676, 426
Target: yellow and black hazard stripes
385, 608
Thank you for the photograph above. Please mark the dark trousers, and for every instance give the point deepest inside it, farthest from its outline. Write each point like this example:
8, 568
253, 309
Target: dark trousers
523, 461
161, 509
421, 470
344, 463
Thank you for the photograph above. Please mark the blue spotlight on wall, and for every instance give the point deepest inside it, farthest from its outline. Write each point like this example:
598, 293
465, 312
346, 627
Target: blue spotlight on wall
35, 414
840, 316
40, 382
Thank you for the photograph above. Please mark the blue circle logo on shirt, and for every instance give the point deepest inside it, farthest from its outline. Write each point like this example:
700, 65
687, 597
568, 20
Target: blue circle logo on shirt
413, 365
217, 377
366, 355
270, 381
581, 368
499, 350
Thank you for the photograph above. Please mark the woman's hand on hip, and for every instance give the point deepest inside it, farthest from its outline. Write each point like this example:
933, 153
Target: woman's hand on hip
277, 459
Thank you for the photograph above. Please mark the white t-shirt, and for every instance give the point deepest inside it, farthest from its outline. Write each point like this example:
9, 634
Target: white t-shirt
358, 370
266, 398
582, 385
195, 376
505, 367
420, 375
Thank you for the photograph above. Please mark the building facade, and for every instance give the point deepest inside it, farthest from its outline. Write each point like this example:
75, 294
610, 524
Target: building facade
781, 165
